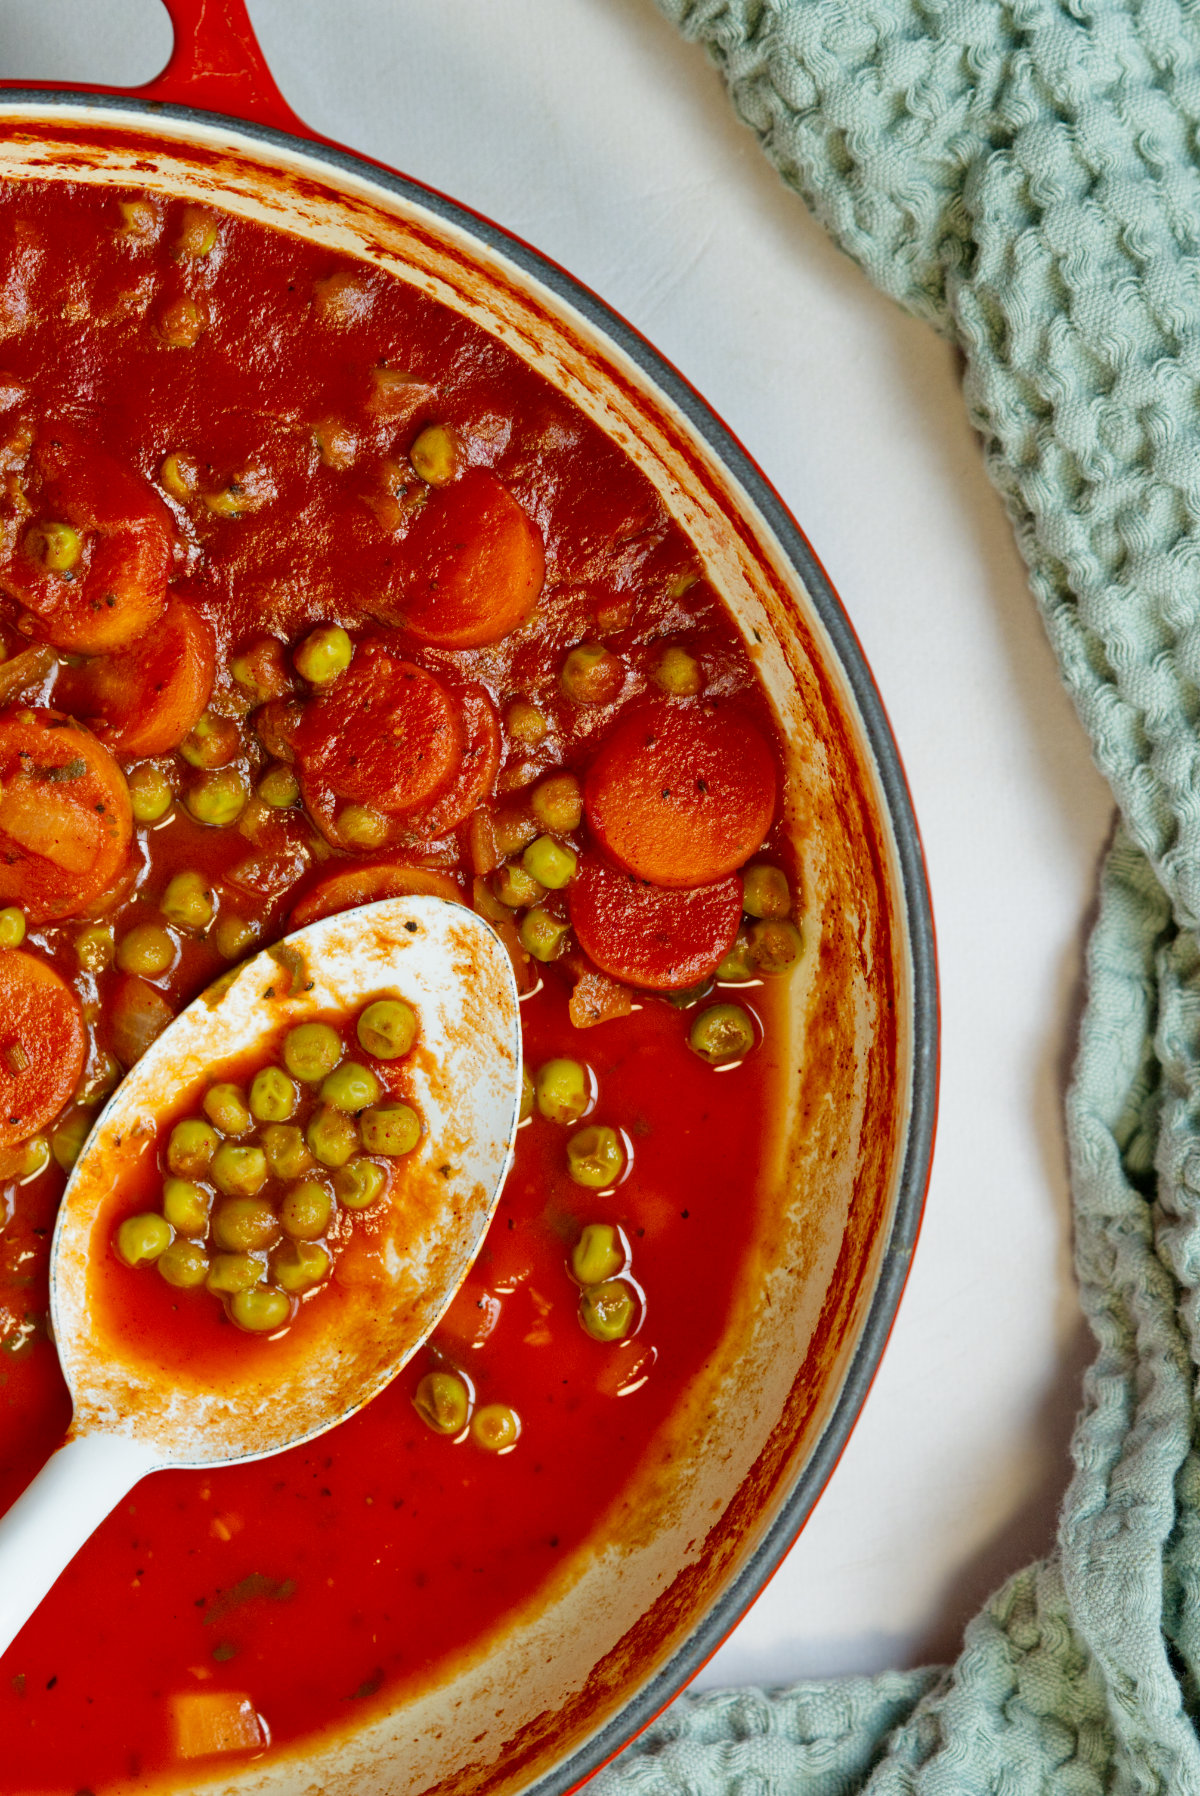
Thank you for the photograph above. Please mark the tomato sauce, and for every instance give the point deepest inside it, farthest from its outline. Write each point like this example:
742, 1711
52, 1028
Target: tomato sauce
345, 478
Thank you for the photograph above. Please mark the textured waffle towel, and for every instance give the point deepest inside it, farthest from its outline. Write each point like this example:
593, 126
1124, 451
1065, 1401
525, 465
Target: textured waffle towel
1026, 176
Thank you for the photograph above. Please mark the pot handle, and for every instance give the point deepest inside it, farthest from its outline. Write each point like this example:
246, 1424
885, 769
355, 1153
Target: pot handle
215, 66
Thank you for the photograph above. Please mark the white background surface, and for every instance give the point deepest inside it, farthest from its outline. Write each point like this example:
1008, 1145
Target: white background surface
591, 129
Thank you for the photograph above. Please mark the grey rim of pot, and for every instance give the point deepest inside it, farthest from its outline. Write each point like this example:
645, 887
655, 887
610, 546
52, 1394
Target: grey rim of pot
703, 1641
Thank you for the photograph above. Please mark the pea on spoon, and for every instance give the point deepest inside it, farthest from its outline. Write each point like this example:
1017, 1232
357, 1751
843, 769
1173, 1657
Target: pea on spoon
138, 1407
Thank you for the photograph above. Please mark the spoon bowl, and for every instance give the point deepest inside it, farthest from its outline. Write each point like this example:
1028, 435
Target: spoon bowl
142, 1401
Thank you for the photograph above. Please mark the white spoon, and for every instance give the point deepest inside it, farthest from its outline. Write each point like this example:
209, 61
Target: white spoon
140, 1407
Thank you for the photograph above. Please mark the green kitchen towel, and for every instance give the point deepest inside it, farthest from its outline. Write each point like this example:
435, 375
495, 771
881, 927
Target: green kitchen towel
1025, 175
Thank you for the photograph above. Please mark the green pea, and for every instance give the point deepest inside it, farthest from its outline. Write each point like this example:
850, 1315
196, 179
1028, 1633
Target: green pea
595, 1157
557, 803
738, 966
217, 797
184, 1264
225, 1108
563, 1090
148, 950
150, 793
140, 1239
239, 1171
323, 655
287, 1155
12, 926
95, 948
677, 673
527, 1094
311, 1050
608, 1311
261, 671
443, 1402
591, 675
387, 1028
185, 1206
542, 935
391, 1129
35, 1157
273, 1096
516, 888
233, 1272
550, 863
279, 787
361, 826
495, 1427
359, 1184
331, 1135
722, 1033
188, 901
524, 722
261, 1312
776, 946
599, 1254
765, 891
350, 1087
190, 1148
233, 936
242, 1224
434, 455
299, 1265
214, 741
66, 1143
58, 546
306, 1210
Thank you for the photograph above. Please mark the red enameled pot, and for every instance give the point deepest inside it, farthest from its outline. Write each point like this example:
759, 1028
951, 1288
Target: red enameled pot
595, 1657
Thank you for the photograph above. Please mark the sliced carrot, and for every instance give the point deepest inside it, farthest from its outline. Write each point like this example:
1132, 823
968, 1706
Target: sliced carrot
65, 819
386, 734
209, 1722
481, 842
477, 771
116, 588
144, 700
475, 564
644, 935
682, 794
351, 886
43, 1041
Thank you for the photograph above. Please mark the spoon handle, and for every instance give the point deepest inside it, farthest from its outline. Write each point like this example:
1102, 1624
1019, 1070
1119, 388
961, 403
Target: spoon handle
81, 1482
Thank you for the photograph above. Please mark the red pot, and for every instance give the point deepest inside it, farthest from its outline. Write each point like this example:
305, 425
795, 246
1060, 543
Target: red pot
633, 1617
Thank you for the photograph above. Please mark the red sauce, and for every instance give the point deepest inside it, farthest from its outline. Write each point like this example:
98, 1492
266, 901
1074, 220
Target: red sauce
335, 1577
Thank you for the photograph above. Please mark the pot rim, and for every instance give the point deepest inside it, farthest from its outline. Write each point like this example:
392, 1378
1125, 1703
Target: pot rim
912, 1182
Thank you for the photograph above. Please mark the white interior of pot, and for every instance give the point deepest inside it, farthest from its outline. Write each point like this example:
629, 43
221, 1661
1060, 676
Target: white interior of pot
524, 1701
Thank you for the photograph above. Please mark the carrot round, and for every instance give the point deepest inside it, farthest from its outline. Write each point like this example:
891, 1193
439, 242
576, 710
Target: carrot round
647, 935
477, 771
43, 1041
681, 795
65, 818
364, 884
90, 564
144, 700
474, 565
386, 734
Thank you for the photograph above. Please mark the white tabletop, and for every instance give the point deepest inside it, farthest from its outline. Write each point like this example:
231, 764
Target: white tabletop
594, 131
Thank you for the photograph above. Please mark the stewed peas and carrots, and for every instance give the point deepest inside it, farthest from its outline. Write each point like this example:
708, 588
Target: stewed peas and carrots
255, 1187
386, 616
